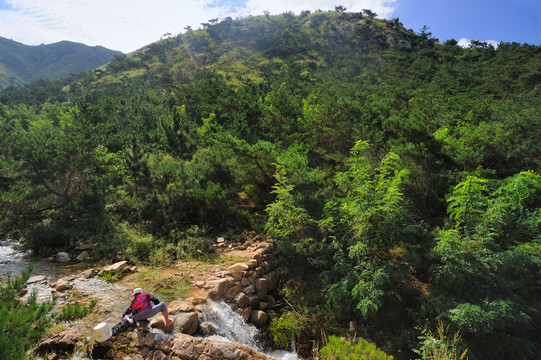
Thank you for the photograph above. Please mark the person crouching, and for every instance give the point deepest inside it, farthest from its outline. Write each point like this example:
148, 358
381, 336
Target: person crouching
142, 309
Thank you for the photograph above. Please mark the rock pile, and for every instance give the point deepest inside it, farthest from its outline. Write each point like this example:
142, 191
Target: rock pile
245, 286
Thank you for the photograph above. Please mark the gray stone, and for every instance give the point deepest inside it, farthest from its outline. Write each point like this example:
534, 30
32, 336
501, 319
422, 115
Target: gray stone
87, 274
253, 301
116, 267
207, 328
241, 299
239, 267
250, 289
261, 286
264, 306
259, 318
220, 287
232, 292
62, 257
187, 323
82, 256
35, 279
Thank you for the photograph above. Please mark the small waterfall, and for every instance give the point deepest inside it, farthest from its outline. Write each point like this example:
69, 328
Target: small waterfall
230, 326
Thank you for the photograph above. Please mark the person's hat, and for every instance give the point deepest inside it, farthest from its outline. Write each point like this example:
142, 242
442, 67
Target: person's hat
137, 291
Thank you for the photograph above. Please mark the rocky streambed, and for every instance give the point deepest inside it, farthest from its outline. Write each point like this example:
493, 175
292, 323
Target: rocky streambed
220, 319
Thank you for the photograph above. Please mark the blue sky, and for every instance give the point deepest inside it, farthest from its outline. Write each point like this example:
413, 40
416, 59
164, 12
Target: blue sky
127, 25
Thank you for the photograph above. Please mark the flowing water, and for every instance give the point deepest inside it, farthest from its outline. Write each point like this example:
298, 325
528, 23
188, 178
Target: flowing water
230, 326
114, 298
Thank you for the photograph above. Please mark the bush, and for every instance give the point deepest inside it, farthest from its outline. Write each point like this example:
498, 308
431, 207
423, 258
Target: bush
140, 246
286, 329
340, 349
22, 323
75, 311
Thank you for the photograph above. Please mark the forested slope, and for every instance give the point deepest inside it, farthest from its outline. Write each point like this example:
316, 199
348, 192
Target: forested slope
398, 175
21, 64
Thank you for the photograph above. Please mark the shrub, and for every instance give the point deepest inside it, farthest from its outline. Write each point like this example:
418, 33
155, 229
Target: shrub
340, 349
75, 311
22, 323
286, 329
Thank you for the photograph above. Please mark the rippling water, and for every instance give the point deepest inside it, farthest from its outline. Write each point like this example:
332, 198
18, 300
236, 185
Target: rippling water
11, 260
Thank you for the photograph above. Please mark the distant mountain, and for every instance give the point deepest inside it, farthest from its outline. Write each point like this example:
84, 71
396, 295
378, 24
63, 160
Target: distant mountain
21, 64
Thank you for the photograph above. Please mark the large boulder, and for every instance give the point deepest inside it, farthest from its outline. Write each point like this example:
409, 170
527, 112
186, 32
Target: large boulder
219, 287
187, 323
259, 318
62, 257
115, 268
64, 341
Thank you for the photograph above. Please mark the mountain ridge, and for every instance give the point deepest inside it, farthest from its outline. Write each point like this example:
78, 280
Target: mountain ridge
21, 64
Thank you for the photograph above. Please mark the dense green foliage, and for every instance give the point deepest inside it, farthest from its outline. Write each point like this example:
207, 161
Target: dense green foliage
286, 329
22, 323
398, 175
21, 64
339, 349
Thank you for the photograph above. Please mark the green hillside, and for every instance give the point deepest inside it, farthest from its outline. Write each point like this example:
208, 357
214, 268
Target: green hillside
21, 64
398, 175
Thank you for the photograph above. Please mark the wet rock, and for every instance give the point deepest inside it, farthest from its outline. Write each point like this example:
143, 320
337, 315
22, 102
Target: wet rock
207, 328
187, 323
62, 257
23, 292
61, 286
115, 268
35, 279
220, 287
241, 299
259, 318
87, 274
245, 313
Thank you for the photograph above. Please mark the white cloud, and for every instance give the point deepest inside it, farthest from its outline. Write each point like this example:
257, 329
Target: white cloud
467, 42
127, 25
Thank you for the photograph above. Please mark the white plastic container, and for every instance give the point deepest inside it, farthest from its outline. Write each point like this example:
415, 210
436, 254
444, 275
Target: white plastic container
102, 332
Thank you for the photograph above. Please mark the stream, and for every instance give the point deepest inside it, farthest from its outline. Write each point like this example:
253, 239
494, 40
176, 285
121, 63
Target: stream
113, 298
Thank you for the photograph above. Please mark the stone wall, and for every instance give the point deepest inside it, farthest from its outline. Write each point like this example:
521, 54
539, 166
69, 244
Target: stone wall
245, 286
